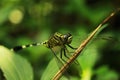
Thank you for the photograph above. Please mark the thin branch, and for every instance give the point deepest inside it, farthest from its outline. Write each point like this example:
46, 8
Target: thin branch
82, 46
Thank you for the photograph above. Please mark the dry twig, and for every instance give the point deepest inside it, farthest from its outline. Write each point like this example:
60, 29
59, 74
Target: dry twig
82, 46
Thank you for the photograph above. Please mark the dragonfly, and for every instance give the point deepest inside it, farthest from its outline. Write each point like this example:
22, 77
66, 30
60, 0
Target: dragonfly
57, 39
61, 40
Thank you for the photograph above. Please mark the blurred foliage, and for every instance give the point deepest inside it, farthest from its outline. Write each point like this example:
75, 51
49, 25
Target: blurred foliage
14, 66
30, 21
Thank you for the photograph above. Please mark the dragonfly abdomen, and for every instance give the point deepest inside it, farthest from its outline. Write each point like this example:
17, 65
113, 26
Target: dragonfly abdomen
17, 48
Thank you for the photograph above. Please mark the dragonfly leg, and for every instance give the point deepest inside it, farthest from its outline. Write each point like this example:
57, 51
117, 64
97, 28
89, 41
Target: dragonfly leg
76, 62
65, 53
71, 47
61, 55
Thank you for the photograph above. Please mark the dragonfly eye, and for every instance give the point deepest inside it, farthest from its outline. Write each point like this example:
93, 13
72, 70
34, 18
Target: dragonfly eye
67, 35
68, 38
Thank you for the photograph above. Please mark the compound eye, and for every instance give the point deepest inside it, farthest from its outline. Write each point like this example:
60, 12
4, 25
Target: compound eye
69, 39
67, 35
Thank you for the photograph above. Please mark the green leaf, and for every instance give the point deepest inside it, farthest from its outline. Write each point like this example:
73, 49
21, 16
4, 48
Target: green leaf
13, 66
87, 60
51, 70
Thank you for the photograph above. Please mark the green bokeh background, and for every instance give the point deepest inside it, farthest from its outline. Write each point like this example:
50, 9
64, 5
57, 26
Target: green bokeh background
30, 21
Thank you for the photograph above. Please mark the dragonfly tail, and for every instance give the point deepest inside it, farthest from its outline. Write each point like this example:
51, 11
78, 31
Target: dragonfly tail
18, 48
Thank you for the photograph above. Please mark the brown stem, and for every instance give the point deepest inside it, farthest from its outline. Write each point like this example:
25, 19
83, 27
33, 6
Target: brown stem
81, 47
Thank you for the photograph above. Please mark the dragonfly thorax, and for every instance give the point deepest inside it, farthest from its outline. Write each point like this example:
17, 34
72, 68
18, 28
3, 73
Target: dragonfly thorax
58, 39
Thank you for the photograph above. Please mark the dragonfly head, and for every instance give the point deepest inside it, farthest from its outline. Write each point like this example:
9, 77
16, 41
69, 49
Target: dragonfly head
67, 38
